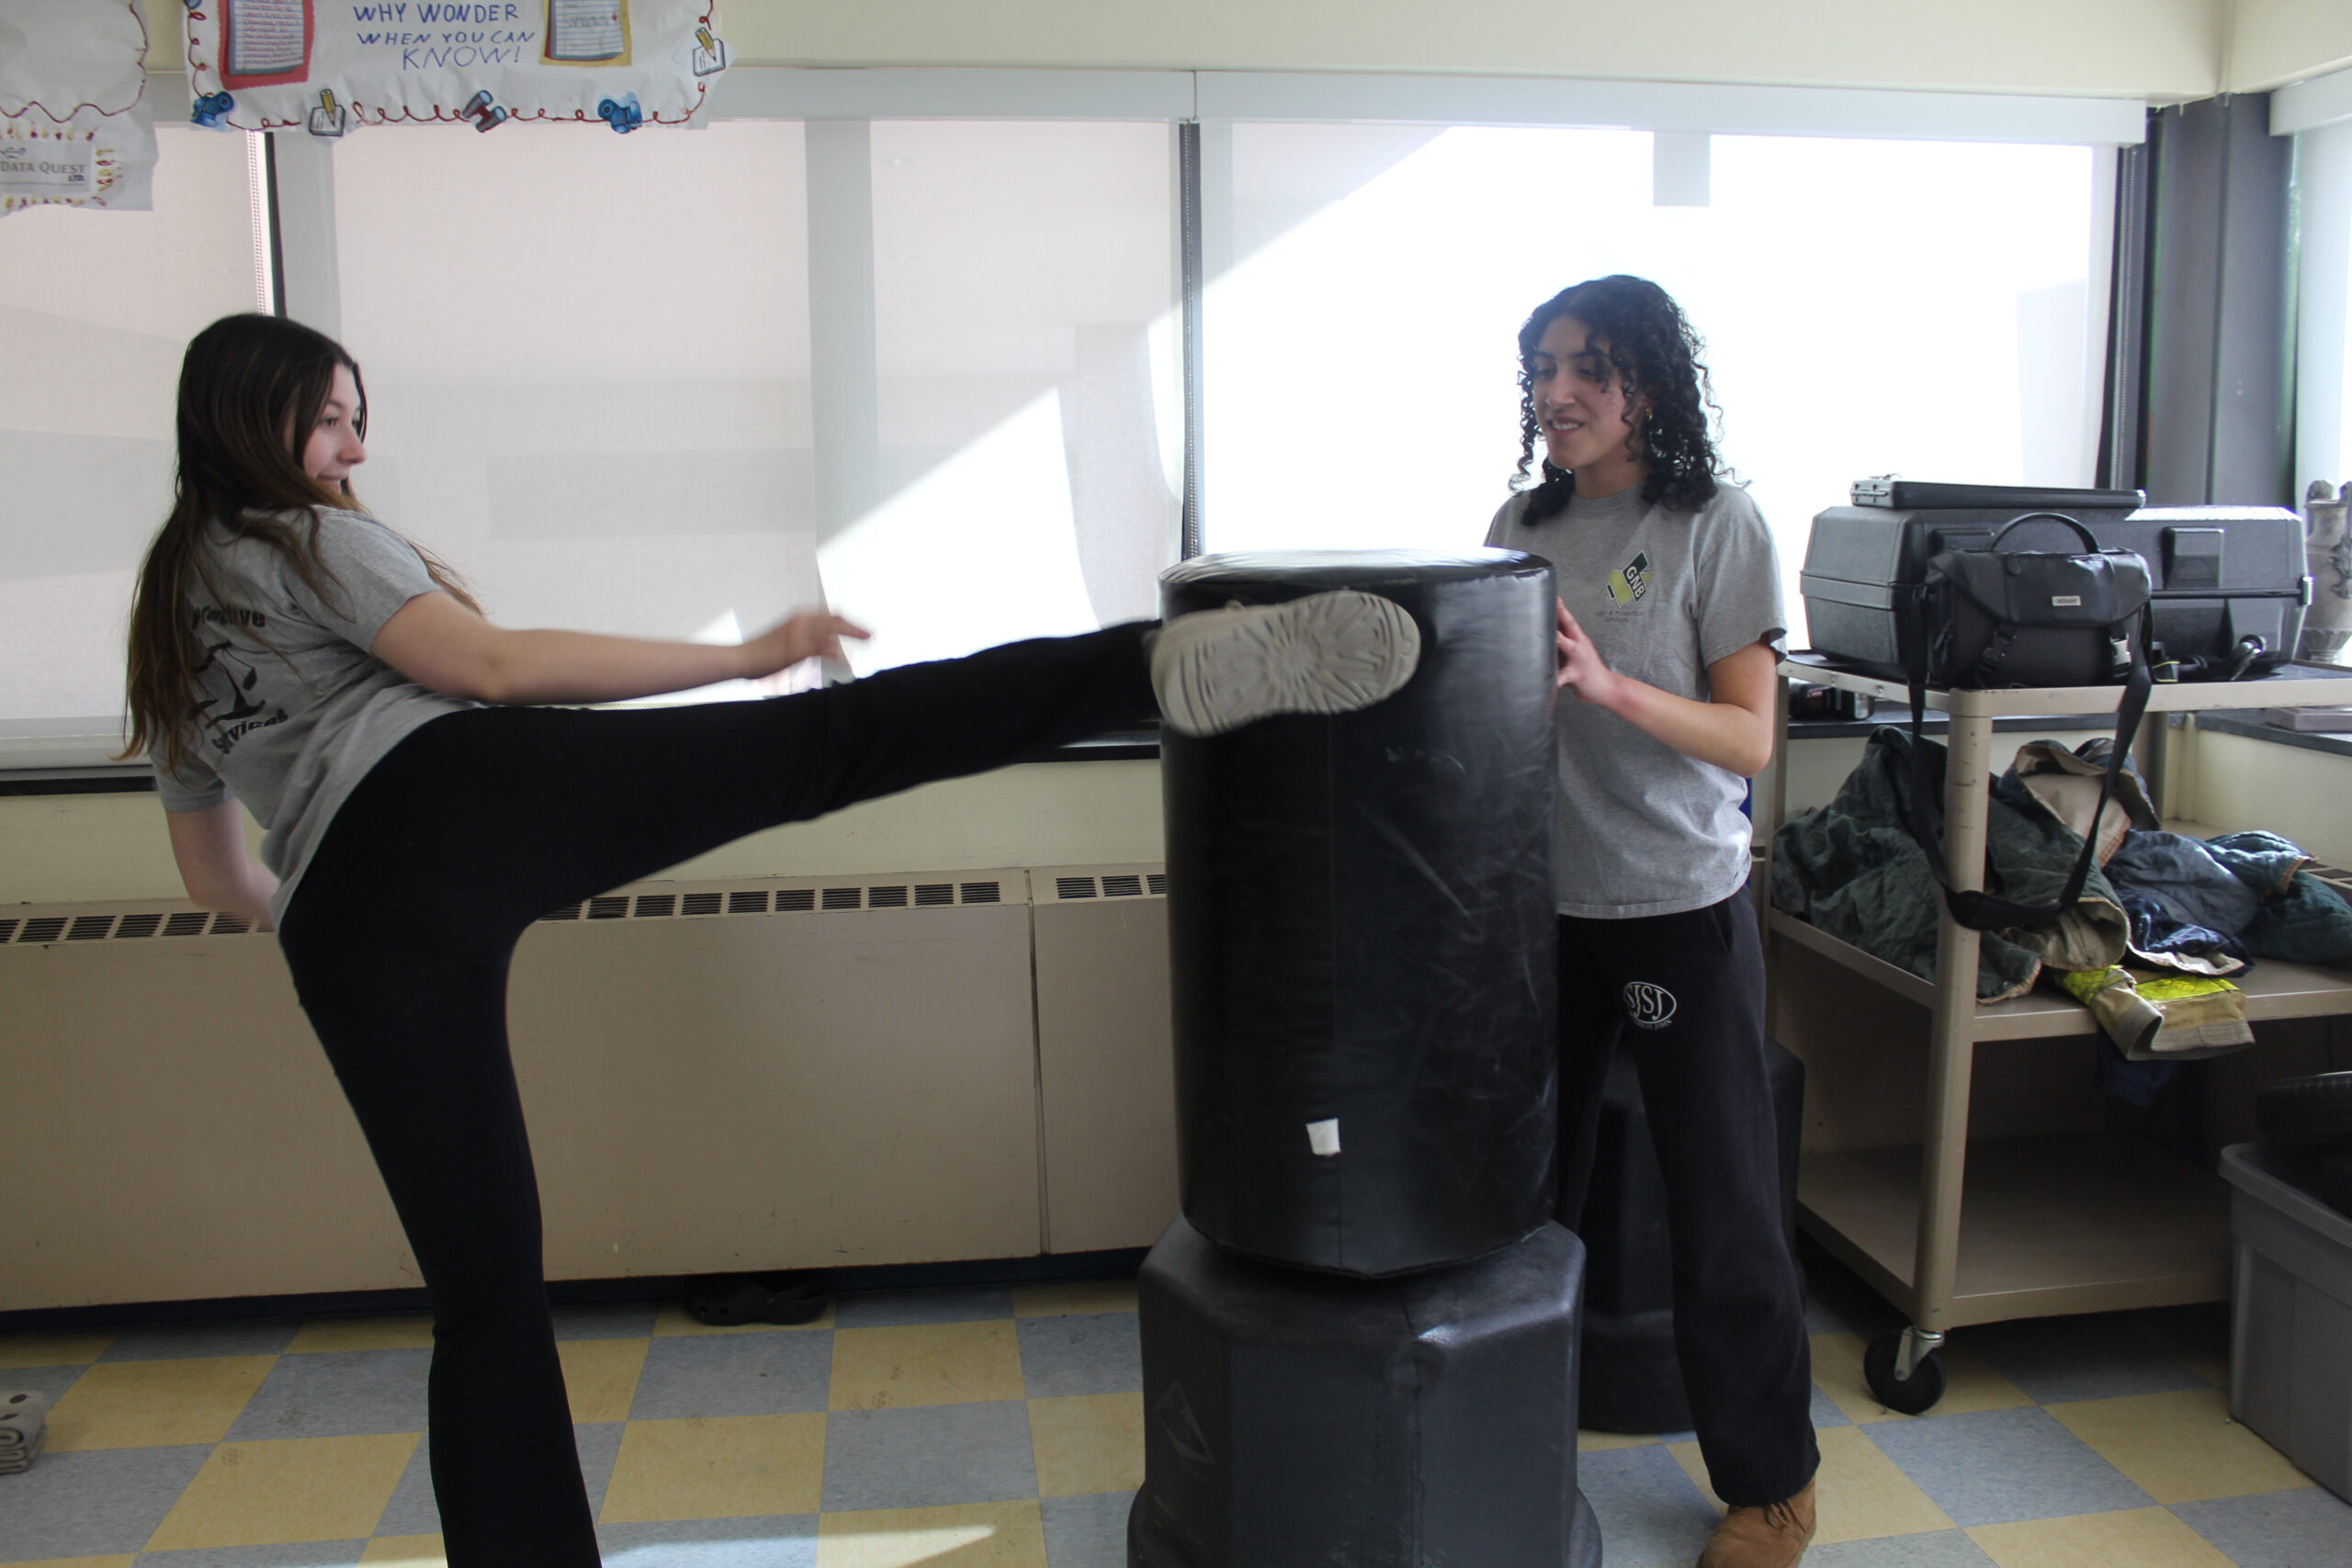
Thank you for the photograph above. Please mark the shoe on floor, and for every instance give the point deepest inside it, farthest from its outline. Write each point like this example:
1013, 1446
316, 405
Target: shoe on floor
1218, 670
1774, 1536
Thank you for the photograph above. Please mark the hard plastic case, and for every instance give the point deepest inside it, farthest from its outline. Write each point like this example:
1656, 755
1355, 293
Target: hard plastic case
2219, 573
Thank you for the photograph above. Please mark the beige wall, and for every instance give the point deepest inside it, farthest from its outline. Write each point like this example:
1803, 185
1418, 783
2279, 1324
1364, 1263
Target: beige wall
2271, 43
77, 848
2168, 49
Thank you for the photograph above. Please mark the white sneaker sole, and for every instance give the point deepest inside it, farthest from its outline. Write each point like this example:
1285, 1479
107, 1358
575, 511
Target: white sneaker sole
1327, 653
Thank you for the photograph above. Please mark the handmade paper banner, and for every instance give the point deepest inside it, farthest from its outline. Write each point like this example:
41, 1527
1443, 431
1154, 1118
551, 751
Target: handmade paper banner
74, 127
328, 65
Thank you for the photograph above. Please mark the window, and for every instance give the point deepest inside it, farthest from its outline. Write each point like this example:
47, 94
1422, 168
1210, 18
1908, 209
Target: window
679, 385
100, 308
1931, 309
930, 371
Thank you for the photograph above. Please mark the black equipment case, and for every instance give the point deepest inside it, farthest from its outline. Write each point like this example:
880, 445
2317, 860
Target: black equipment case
2221, 575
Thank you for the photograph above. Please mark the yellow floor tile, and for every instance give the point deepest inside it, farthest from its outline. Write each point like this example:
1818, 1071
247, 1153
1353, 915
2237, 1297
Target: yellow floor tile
1694, 1465
1589, 1442
717, 1467
53, 1350
1969, 1385
600, 1376
2179, 1446
1087, 1444
148, 1405
362, 1333
406, 1552
971, 1535
674, 1320
291, 1490
928, 1363
1077, 1296
2137, 1538
1861, 1494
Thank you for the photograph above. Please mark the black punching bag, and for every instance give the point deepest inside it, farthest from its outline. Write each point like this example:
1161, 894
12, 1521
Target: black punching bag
1361, 925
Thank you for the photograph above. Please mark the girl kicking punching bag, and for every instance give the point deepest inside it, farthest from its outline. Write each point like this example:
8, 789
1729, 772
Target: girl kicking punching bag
1361, 933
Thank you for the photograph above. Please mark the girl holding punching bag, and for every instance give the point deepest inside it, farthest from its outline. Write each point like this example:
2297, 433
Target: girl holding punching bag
425, 801
1669, 626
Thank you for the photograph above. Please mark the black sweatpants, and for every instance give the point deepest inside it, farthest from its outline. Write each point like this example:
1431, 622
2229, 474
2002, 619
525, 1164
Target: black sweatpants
1685, 994
471, 829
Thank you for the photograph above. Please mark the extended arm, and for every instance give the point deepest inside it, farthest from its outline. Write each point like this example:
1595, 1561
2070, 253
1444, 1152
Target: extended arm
1732, 730
210, 847
440, 644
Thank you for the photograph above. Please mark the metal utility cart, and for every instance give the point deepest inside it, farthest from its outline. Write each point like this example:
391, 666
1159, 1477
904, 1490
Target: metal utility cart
2038, 1226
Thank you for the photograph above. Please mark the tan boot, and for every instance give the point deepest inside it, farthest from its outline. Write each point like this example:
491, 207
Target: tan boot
1774, 1536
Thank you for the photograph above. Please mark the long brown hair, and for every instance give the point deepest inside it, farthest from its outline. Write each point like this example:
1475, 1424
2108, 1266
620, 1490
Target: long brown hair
251, 388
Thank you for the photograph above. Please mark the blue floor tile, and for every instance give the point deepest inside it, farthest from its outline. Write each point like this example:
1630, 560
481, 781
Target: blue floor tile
177, 1341
1997, 1467
338, 1394
2308, 1529
606, 1320
90, 1504
2056, 1359
1943, 1549
50, 1381
1826, 1412
892, 1309
1650, 1513
599, 1445
735, 1374
1086, 1532
1086, 1353
927, 1455
307, 1554
411, 1510
787, 1541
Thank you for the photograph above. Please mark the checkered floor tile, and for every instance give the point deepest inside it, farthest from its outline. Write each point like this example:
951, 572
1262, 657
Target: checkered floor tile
1002, 1429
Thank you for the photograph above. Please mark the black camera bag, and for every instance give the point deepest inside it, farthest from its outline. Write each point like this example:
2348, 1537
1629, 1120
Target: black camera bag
1988, 618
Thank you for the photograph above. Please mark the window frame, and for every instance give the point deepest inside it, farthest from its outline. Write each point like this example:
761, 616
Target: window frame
296, 192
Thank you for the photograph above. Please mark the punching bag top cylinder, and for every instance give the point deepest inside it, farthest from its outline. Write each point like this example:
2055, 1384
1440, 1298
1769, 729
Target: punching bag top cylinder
1361, 930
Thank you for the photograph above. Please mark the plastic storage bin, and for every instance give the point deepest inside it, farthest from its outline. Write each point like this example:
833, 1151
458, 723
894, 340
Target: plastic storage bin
2291, 1319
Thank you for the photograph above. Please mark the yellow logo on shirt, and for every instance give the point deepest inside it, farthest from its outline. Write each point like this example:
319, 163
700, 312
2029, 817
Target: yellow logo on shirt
1632, 581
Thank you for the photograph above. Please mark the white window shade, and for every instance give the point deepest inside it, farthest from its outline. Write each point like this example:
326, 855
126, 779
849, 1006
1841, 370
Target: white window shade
1027, 425
1931, 309
99, 310
588, 368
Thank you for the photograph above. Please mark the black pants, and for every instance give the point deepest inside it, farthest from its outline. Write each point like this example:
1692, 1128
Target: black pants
1685, 994
478, 824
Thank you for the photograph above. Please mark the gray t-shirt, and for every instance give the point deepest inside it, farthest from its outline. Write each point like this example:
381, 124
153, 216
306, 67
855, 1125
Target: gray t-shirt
1643, 829
294, 708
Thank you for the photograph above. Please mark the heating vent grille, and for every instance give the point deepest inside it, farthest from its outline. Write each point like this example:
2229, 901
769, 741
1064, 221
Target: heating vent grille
1111, 885
43, 929
783, 901
20, 930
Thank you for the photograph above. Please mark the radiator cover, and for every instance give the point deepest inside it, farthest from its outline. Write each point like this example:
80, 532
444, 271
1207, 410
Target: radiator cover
737, 1074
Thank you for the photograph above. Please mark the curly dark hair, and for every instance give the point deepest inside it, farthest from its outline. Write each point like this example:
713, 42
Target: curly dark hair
1656, 355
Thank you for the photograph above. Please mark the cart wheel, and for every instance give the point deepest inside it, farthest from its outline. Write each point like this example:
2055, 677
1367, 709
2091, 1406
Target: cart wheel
1912, 1395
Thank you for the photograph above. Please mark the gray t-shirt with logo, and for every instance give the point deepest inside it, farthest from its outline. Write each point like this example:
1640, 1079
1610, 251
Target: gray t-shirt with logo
292, 707
1643, 830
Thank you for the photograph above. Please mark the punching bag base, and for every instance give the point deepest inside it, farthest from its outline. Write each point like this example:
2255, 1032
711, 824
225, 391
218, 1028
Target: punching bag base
1426, 1421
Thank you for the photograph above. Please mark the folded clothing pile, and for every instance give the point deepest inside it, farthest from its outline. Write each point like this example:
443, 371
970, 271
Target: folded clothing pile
24, 1422
2309, 1122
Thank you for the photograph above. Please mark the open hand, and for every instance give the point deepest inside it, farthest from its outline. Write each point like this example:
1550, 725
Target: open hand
1580, 668
812, 635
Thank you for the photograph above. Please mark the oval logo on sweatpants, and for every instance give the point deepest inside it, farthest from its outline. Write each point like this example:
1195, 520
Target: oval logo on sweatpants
1650, 1006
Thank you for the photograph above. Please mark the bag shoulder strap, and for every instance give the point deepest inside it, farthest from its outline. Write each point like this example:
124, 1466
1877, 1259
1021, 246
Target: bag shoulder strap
1985, 911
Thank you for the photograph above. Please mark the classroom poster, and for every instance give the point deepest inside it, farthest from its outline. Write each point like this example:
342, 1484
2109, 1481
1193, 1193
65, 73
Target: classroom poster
74, 125
330, 65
